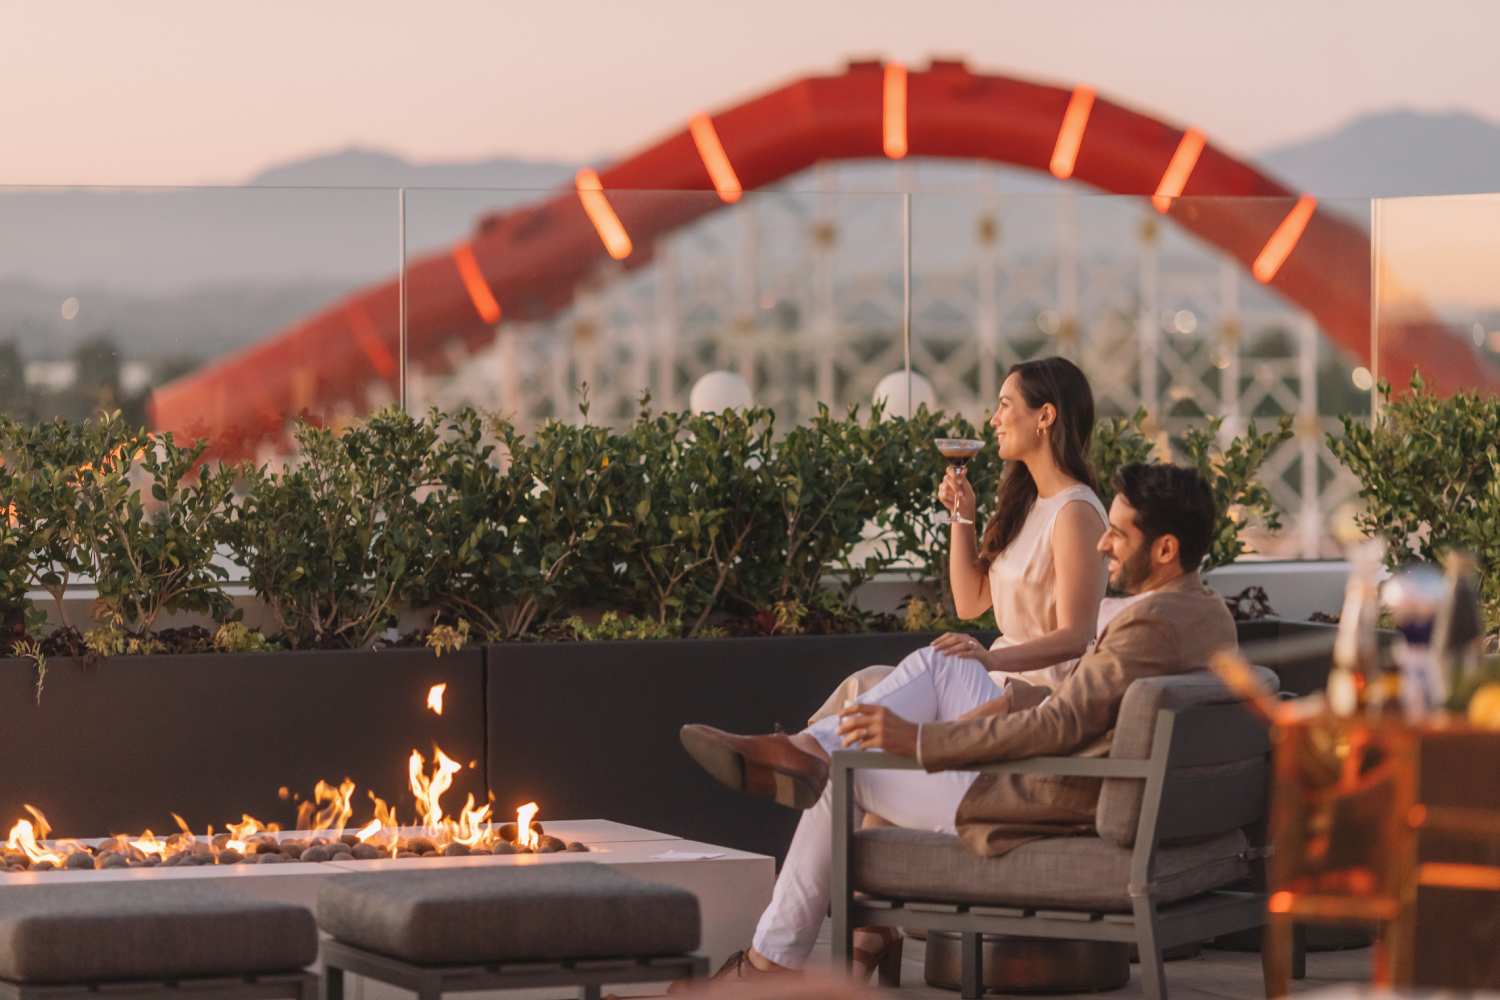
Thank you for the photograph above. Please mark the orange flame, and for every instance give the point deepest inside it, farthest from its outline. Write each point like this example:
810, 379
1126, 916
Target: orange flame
525, 835
435, 698
24, 838
428, 791
336, 807
148, 844
471, 827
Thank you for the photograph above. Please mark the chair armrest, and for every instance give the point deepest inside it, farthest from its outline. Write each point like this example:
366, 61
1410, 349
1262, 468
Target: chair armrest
1080, 767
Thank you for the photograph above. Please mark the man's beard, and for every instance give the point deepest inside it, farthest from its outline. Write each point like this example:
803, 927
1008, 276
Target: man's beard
1132, 573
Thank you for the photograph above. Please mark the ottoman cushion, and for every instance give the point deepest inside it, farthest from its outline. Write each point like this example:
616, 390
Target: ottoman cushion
163, 930
540, 912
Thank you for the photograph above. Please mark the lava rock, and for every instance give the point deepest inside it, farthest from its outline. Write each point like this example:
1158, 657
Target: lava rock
456, 851
113, 860
480, 850
317, 853
174, 861
506, 848
341, 856
253, 859
507, 832
202, 854
578, 847
551, 845
274, 859
348, 840
79, 860
292, 849
318, 842
365, 852
230, 857
420, 845
219, 841
151, 861
407, 854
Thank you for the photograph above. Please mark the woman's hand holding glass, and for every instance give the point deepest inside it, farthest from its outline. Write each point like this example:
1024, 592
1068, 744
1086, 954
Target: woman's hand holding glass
956, 492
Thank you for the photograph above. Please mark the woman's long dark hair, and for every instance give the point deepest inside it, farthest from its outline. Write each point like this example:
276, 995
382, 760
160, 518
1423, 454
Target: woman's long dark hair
1059, 382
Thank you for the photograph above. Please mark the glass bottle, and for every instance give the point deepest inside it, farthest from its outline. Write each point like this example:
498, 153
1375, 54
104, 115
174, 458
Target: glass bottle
1354, 651
1458, 628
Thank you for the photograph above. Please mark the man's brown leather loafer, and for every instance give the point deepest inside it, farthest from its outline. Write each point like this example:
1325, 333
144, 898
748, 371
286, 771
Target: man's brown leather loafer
769, 766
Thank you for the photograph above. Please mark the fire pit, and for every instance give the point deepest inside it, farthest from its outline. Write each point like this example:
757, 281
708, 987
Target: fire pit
323, 831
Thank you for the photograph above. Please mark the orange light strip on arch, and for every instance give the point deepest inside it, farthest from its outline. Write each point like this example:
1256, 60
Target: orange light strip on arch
1284, 240
1070, 136
368, 339
606, 223
893, 115
474, 283
1175, 177
715, 160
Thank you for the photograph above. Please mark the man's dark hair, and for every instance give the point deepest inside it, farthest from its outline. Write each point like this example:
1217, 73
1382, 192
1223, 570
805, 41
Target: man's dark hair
1171, 500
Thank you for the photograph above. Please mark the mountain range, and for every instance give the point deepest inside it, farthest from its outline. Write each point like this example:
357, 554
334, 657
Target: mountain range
195, 271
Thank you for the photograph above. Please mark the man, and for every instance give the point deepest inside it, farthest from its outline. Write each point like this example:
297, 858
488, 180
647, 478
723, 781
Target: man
1160, 527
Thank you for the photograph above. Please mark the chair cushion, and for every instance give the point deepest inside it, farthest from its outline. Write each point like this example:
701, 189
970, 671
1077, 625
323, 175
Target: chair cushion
1119, 810
550, 911
138, 930
1061, 873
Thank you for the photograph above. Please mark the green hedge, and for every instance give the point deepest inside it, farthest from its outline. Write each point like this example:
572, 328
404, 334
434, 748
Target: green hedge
1429, 472
683, 524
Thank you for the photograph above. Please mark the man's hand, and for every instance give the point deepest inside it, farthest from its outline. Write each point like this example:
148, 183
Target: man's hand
872, 727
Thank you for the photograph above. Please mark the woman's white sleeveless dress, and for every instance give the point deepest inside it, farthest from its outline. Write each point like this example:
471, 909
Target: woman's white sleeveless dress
1023, 590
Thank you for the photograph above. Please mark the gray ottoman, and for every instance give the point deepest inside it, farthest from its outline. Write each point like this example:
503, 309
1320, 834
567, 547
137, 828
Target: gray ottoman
186, 939
562, 924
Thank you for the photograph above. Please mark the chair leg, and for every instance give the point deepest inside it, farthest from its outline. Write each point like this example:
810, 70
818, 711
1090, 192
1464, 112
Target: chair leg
1278, 956
1299, 951
1153, 968
888, 973
971, 962
333, 983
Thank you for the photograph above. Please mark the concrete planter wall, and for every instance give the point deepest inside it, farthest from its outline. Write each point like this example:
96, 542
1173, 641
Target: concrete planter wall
116, 746
589, 730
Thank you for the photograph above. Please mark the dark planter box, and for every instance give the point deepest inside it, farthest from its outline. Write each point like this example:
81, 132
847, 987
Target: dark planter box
116, 746
1303, 674
590, 729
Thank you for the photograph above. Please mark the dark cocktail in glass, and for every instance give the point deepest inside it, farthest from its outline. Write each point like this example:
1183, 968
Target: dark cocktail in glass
957, 452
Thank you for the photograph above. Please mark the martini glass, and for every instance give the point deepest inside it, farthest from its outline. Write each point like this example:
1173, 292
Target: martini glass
957, 452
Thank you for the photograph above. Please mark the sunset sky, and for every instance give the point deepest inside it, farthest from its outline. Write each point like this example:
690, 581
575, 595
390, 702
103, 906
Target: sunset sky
187, 91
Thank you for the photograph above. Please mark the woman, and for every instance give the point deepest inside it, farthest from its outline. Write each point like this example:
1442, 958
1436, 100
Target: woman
1037, 563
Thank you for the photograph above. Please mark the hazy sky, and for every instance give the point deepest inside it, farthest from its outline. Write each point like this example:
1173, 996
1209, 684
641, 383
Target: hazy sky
193, 91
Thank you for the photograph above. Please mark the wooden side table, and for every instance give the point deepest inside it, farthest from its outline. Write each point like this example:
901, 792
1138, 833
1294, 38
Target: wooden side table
1379, 822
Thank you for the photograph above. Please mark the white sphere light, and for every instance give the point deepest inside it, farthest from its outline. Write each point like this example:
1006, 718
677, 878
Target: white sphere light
891, 390
718, 391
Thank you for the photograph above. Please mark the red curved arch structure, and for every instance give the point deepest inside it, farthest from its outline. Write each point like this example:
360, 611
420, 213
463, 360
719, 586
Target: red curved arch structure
525, 264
